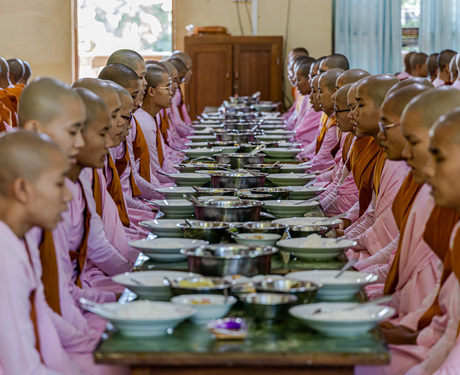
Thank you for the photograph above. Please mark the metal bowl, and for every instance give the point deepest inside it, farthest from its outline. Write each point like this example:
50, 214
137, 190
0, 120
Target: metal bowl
222, 144
248, 147
306, 230
218, 285
238, 161
238, 180
240, 126
264, 168
229, 211
230, 259
257, 197
275, 192
262, 227
268, 308
216, 191
305, 291
211, 231
235, 137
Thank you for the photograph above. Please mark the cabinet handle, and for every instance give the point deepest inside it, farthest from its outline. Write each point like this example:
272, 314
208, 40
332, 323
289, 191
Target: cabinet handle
236, 74
227, 75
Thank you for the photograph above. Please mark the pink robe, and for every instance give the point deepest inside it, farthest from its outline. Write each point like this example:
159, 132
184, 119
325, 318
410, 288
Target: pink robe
150, 128
147, 188
18, 279
403, 75
182, 127
308, 124
175, 156
438, 82
323, 160
456, 85
376, 228
292, 120
309, 150
103, 259
418, 265
174, 139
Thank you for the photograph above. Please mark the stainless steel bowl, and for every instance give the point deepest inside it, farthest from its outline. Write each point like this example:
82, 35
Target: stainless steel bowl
240, 126
235, 137
306, 230
275, 192
216, 191
264, 168
268, 308
218, 285
230, 259
212, 231
238, 161
222, 144
257, 197
262, 227
238, 180
229, 211
305, 291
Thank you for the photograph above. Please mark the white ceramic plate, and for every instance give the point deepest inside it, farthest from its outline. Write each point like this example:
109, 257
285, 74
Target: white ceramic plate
309, 221
164, 227
290, 179
333, 289
197, 152
281, 152
301, 192
342, 324
271, 138
257, 239
175, 208
289, 208
190, 179
175, 192
149, 284
135, 318
323, 248
166, 249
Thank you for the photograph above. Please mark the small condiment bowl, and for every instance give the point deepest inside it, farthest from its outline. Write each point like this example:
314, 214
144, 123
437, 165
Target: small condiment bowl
197, 285
305, 291
269, 308
257, 239
306, 230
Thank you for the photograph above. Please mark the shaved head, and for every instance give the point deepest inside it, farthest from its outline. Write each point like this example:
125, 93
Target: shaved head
418, 58
409, 82
397, 100
100, 88
94, 105
431, 105
297, 52
335, 61
328, 78
341, 108
444, 58
43, 100
25, 155
303, 64
27, 72
432, 65
453, 68
407, 63
132, 60
180, 66
16, 70
4, 73
314, 70
351, 76
186, 59
119, 73
155, 75
376, 87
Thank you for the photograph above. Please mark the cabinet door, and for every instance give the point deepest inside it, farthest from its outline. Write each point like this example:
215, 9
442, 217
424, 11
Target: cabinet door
211, 82
256, 68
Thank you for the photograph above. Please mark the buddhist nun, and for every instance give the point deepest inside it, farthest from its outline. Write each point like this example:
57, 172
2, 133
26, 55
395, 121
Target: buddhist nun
27, 73
453, 69
292, 55
456, 83
443, 61
17, 71
432, 66
32, 194
187, 61
8, 98
335, 61
178, 99
135, 177
376, 228
408, 68
418, 63
157, 96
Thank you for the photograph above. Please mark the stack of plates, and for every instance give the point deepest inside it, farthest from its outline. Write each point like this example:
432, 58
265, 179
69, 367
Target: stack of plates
164, 227
282, 152
176, 192
175, 208
324, 248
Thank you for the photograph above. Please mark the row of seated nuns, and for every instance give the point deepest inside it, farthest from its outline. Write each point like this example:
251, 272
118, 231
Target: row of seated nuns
75, 175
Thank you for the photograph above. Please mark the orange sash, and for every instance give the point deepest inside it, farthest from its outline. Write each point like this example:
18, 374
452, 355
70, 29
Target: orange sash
438, 230
115, 191
336, 148
16, 90
363, 158
161, 155
121, 165
80, 254
327, 122
402, 206
299, 102
141, 152
346, 147
33, 310
164, 125
11, 102
5, 116
50, 273
181, 102
378, 169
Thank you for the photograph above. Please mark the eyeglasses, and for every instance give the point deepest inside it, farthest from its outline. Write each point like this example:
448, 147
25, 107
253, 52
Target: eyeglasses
127, 118
169, 87
383, 128
341, 110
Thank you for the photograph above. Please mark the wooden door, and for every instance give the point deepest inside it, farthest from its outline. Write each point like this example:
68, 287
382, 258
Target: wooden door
257, 68
211, 82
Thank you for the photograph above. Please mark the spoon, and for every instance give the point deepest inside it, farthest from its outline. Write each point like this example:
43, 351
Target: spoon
376, 301
307, 200
96, 308
258, 149
347, 266
196, 188
191, 198
275, 163
310, 183
189, 223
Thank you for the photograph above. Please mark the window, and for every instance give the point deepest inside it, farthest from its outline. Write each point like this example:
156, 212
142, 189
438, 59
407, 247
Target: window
105, 26
410, 24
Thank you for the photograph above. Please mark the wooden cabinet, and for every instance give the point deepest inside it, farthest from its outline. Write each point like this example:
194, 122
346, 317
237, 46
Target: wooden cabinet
233, 65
